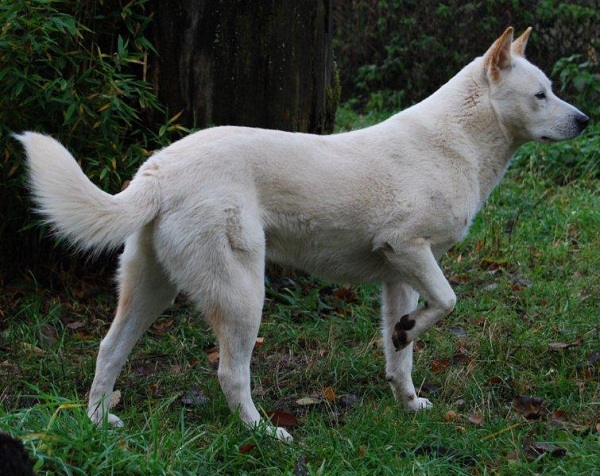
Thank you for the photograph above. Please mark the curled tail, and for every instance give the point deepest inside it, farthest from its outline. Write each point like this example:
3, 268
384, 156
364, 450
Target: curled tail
75, 207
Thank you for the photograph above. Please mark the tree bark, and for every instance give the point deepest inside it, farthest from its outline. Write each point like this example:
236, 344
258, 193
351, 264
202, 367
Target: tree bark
254, 63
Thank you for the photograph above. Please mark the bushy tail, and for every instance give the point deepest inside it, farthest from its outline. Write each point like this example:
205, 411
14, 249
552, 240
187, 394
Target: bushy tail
75, 207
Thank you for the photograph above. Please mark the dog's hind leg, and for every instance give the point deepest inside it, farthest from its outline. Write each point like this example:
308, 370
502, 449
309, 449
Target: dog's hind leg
144, 292
234, 309
399, 299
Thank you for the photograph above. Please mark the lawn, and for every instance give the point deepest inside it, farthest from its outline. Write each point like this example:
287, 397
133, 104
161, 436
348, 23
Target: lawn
514, 372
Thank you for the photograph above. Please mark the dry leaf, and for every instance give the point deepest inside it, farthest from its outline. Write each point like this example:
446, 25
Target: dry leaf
459, 278
563, 345
301, 467
259, 342
345, 293
162, 327
329, 394
594, 358
194, 398
83, 336
530, 407
283, 419
246, 448
476, 419
31, 348
75, 325
304, 401
533, 450
457, 331
451, 416
213, 358
438, 365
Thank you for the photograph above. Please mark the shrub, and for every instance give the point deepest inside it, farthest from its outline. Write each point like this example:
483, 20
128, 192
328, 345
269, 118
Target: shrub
77, 73
407, 49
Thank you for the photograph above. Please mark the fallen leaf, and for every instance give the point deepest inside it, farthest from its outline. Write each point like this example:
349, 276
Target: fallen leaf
305, 401
594, 358
283, 419
75, 325
246, 448
194, 398
259, 342
31, 348
530, 407
513, 456
362, 450
563, 345
459, 278
155, 389
301, 467
83, 336
213, 358
162, 327
460, 402
428, 388
539, 448
457, 331
451, 416
349, 400
476, 419
345, 293
495, 381
437, 365
329, 394
144, 370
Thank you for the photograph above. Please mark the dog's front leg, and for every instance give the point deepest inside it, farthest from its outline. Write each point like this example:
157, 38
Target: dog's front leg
417, 266
399, 299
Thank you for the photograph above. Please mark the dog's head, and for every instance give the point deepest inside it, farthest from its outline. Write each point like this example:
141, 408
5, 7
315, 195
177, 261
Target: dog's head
522, 96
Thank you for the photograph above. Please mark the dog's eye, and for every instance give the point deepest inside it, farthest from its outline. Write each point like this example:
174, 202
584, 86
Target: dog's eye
541, 95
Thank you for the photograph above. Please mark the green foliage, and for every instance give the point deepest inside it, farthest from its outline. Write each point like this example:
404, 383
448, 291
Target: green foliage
525, 324
406, 49
577, 159
77, 73
580, 79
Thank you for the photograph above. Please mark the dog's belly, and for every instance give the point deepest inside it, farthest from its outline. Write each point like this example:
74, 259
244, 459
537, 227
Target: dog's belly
330, 256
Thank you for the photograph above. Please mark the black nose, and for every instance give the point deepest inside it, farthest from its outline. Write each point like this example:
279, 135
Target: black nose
582, 121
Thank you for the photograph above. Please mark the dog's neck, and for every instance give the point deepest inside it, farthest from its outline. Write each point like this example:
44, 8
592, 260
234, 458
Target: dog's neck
476, 133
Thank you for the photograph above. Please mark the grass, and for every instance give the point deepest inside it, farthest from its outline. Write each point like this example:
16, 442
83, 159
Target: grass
526, 324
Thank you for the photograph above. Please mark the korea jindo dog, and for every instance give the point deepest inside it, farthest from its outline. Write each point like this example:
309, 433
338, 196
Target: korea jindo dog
381, 204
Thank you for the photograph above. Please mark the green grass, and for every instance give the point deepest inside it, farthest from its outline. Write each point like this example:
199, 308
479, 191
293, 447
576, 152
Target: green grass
526, 277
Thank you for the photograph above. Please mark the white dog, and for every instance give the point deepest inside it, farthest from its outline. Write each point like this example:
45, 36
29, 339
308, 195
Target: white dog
380, 204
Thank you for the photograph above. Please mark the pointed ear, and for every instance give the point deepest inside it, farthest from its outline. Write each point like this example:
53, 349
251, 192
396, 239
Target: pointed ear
518, 46
498, 57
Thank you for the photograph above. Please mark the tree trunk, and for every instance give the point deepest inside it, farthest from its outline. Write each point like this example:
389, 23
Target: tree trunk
253, 63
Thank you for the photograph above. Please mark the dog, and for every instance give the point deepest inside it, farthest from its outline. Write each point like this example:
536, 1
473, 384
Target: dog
380, 205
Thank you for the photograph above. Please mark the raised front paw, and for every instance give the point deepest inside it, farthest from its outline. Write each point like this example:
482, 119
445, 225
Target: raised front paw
400, 336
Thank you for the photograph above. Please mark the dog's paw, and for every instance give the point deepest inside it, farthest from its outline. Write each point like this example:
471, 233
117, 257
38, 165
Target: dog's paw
283, 435
417, 404
112, 420
279, 433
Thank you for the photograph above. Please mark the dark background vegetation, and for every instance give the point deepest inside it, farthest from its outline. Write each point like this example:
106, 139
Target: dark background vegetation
80, 71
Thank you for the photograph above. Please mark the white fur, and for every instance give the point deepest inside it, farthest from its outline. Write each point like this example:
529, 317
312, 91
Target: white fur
380, 204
